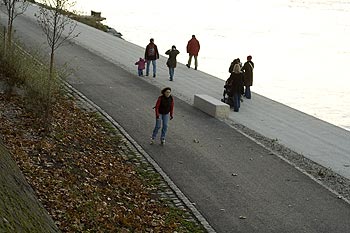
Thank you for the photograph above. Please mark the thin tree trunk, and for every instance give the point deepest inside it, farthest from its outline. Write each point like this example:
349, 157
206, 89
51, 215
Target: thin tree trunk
5, 35
9, 37
48, 112
51, 76
11, 13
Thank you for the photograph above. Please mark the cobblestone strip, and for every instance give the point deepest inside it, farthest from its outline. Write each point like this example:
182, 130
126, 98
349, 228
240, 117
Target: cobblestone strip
168, 192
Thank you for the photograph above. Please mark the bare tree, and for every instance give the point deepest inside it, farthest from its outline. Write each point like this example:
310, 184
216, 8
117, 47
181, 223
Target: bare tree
56, 24
54, 19
14, 8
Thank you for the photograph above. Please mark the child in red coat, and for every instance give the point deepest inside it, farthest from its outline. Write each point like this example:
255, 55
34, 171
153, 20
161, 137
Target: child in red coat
140, 66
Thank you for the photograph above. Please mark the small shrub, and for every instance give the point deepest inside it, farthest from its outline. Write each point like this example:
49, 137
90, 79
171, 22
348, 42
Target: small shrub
24, 70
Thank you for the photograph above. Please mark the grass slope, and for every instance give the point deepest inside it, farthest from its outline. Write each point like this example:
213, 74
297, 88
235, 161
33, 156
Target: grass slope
20, 210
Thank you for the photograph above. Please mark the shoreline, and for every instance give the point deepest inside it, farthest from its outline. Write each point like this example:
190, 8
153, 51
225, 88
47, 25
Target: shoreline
321, 173
183, 93
331, 111
248, 117
93, 20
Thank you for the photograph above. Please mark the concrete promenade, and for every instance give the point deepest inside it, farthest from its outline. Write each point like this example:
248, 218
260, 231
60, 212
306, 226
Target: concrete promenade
317, 140
226, 175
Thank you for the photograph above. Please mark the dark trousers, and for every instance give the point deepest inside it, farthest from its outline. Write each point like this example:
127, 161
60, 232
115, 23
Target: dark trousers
236, 102
247, 93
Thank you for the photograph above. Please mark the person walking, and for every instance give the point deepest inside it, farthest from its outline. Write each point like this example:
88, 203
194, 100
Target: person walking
140, 66
151, 55
248, 68
235, 84
164, 110
171, 62
193, 48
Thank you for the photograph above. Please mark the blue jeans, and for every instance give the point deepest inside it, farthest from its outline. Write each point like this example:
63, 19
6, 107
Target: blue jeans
247, 93
140, 72
171, 73
154, 65
236, 102
162, 118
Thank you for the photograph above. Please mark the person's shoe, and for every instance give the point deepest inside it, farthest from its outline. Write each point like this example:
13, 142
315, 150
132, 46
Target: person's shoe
195, 68
154, 75
152, 141
146, 74
188, 66
162, 141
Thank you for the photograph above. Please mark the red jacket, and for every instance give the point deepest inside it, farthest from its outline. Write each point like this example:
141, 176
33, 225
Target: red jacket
193, 47
164, 106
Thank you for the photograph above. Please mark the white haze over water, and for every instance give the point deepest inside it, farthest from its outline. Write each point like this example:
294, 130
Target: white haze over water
301, 49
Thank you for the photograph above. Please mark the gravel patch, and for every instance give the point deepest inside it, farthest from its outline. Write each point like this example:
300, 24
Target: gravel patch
336, 183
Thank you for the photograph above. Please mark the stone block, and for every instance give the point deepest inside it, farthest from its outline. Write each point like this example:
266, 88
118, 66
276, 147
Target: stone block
211, 106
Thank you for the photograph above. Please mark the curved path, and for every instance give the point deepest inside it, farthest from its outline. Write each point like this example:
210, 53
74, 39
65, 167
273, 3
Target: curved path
238, 185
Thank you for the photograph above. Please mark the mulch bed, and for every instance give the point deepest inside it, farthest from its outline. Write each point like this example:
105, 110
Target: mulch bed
81, 174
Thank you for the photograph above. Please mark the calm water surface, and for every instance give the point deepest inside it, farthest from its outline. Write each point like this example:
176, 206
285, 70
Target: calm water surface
300, 48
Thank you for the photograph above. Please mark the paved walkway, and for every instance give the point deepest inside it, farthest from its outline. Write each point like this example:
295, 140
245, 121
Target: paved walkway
317, 140
273, 196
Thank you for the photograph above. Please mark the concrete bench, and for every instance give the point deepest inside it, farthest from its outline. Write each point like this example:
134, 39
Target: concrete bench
211, 106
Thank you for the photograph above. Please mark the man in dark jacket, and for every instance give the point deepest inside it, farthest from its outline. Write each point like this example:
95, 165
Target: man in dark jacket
151, 55
248, 68
193, 47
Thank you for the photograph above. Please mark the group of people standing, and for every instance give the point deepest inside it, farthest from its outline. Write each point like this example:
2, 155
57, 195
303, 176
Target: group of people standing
152, 55
239, 82
237, 85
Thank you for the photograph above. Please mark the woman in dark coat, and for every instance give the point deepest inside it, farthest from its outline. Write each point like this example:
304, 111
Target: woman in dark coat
171, 63
235, 85
248, 68
230, 70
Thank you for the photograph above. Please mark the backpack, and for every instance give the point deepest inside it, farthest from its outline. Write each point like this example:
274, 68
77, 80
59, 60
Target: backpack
151, 50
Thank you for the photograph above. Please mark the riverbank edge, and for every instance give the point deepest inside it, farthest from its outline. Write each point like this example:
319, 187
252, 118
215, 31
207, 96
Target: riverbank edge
87, 20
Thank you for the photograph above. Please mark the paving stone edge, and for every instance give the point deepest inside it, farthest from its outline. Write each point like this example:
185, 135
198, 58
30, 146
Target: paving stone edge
174, 193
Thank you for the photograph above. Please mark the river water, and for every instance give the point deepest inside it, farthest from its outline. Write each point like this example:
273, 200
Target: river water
300, 48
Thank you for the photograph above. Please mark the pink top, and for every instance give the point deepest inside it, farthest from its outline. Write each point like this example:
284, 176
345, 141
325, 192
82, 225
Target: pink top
141, 64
